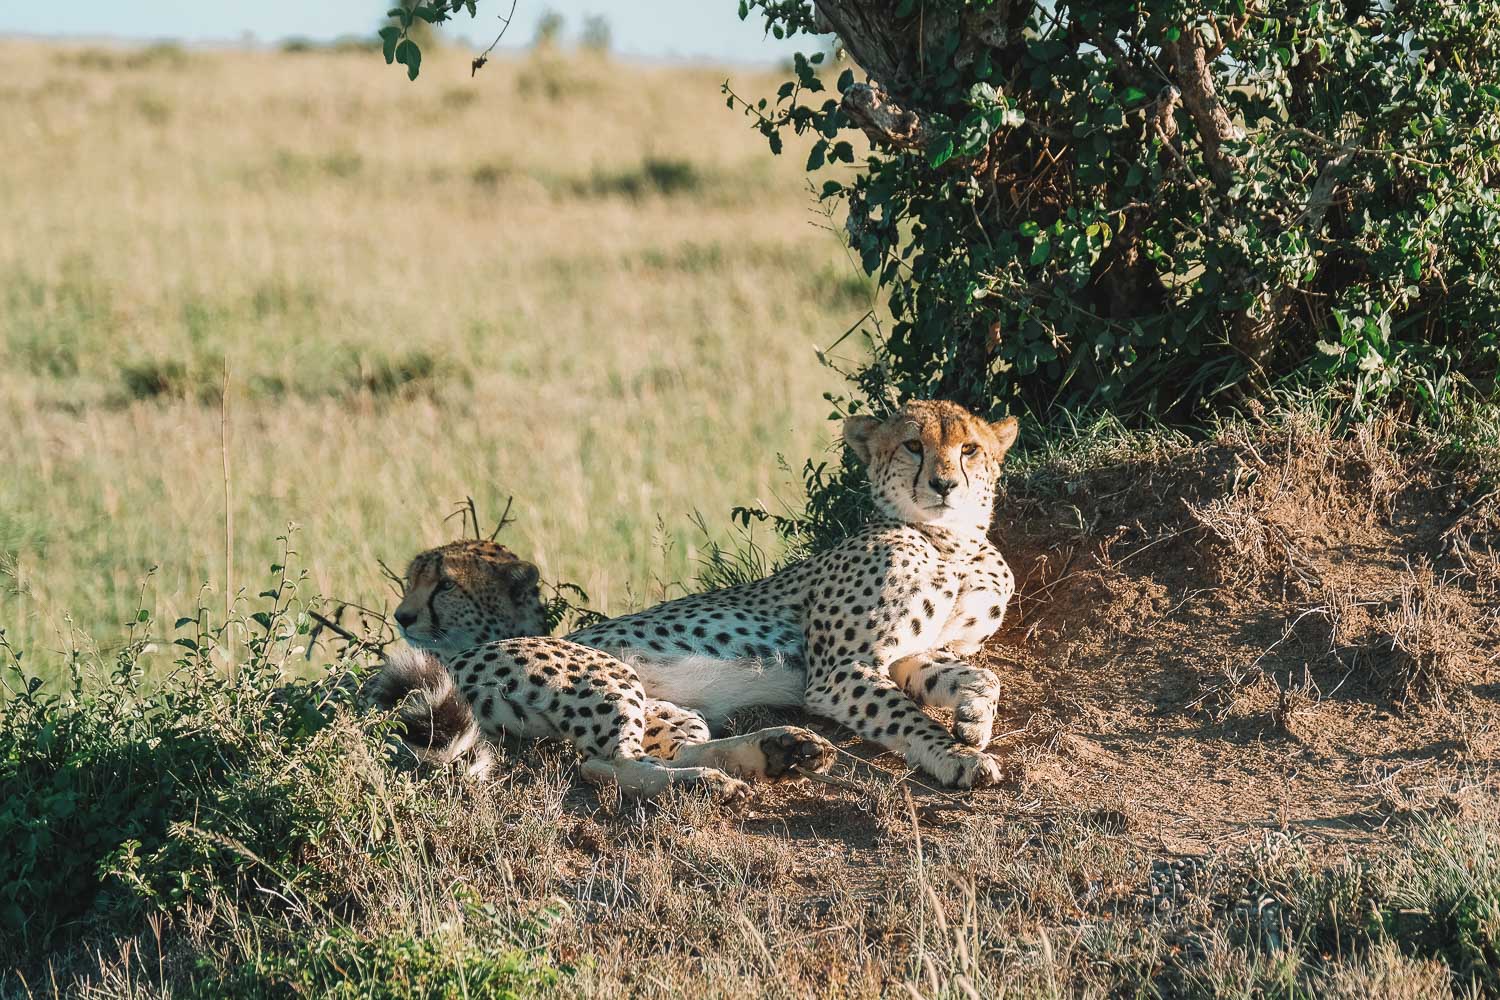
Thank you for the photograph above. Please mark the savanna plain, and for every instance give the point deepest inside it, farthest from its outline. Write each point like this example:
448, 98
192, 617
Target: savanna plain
1252, 706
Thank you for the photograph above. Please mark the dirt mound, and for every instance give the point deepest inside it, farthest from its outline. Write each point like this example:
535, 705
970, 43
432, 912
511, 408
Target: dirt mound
1273, 629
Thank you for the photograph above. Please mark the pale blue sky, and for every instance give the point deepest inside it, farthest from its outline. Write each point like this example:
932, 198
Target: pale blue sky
698, 30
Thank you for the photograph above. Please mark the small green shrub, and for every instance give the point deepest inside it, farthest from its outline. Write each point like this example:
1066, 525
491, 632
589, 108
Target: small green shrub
116, 795
342, 965
664, 176
164, 378
388, 375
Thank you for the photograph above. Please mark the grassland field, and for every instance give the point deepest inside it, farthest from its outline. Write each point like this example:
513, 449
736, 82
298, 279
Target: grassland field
582, 285
1251, 675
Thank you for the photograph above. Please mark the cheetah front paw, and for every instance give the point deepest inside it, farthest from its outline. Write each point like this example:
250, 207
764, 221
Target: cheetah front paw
974, 721
789, 750
721, 787
958, 766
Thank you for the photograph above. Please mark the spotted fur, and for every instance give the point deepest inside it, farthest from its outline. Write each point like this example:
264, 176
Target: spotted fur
868, 631
864, 633
480, 670
467, 593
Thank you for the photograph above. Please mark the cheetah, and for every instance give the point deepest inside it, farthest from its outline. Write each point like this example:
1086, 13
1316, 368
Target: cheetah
870, 630
498, 675
864, 633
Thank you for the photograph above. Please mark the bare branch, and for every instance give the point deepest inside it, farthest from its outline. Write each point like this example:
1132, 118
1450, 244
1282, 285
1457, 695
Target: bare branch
1189, 57
883, 120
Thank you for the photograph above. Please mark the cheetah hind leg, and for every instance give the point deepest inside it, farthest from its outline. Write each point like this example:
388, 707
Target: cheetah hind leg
639, 761
680, 737
644, 767
670, 727
646, 777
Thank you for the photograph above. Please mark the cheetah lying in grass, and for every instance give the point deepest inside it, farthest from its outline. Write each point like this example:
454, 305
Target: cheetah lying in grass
863, 633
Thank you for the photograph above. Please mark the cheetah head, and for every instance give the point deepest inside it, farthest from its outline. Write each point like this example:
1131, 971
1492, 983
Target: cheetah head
933, 462
467, 593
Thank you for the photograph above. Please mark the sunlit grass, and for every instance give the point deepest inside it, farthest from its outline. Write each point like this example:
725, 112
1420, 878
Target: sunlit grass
584, 285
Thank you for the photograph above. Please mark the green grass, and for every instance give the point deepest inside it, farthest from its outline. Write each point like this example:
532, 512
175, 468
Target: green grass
605, 306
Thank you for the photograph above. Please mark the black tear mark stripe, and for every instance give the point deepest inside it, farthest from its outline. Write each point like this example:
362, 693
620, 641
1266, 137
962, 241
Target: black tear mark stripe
432, 597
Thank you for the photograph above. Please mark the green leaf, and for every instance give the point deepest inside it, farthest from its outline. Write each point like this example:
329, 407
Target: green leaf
941, 152
184, 621
846, 80
1132, 95
1041, 249
815, 156
1173, 34
389, 35
143, 615
410, 56
429, 15
1029, 229
831, 188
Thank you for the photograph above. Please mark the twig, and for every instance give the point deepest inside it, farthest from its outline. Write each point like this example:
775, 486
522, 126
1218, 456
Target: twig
466, 509
505, 519
234, 672
829, 779
484, 57
391, 575
341, 632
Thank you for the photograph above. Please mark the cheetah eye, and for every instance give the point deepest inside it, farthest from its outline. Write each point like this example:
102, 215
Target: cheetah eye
970, 448
915, 447
442, 585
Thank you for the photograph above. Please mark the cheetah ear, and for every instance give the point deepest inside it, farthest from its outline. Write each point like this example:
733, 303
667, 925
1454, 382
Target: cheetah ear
1005, 431
859, 435
521, 576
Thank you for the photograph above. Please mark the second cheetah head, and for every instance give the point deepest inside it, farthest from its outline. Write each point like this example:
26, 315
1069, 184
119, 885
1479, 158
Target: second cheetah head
467, 593
933, 462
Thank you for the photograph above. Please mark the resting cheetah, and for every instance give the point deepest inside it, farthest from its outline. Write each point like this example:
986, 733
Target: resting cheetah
860, 633
475, 601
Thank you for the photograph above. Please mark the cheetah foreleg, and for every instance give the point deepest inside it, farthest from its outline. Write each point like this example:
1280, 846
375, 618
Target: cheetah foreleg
869, 702
775, 754
945, 682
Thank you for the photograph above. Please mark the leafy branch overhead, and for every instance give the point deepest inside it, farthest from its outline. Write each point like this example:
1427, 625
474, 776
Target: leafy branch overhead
1159, 207
396, 39
1143, 206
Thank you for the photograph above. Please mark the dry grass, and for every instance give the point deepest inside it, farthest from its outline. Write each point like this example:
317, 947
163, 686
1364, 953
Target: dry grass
582, 284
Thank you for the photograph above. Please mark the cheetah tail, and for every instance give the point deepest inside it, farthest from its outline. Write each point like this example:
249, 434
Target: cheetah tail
440, 725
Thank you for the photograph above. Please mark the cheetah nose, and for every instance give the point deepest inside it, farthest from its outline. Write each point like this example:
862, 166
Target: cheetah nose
405, 618
942, 487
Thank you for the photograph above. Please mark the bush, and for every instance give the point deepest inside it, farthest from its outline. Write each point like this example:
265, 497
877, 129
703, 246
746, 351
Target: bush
1144, 207
248, 821
118, 796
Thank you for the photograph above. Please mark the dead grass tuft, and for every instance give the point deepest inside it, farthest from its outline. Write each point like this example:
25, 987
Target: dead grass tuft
1425, 638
